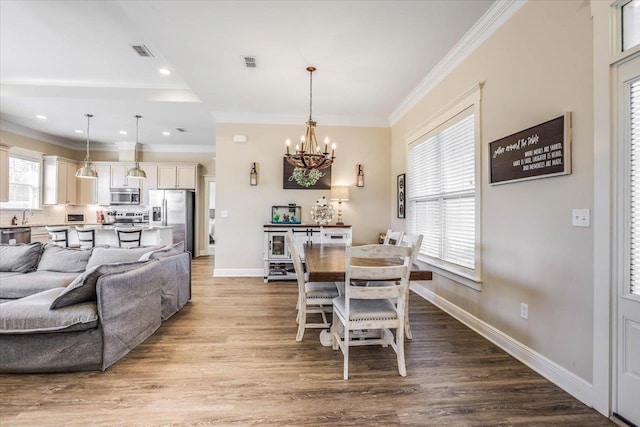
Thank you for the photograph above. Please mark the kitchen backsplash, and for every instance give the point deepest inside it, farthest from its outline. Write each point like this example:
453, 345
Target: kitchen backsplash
49, 214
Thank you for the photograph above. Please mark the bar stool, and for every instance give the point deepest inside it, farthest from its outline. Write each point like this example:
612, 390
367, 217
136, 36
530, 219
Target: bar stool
129, 237
58, 235
86, 237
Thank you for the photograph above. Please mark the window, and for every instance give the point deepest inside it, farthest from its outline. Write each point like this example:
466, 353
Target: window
24, 184
442, 191
634, 208
630, 24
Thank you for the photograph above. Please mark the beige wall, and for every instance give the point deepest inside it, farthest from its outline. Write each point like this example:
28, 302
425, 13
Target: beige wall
535, 67
239, 237
42, 147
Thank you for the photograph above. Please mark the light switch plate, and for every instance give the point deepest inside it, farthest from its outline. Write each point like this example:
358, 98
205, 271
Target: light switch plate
581, 218
224, 214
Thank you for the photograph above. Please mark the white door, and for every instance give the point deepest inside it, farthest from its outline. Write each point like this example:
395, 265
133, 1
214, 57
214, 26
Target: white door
628, 292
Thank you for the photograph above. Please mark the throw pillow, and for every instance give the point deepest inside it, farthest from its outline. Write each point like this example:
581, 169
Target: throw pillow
111, 255
20, 258
167, 251
67, 260
83, 288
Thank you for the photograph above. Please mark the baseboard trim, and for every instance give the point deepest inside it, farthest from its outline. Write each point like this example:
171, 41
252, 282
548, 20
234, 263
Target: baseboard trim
231, 272
563, 378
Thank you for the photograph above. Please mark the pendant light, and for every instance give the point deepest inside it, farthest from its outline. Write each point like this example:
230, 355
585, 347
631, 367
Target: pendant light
87, 171
308, 154
136, 172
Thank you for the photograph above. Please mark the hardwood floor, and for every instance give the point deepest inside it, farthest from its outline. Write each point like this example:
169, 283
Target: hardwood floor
230, 358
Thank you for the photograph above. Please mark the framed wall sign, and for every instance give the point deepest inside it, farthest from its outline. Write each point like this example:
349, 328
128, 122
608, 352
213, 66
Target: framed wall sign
541, 151
289, 181
401, 196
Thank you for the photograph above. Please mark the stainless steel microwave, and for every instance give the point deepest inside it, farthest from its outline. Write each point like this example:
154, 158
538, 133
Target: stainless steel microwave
125, 196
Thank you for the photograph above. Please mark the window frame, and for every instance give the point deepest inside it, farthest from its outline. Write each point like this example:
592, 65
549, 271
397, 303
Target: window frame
26, 155
471, 99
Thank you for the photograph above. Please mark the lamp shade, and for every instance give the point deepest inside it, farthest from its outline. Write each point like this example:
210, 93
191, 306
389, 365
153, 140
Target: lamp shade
340, 192
87, 171
136, 172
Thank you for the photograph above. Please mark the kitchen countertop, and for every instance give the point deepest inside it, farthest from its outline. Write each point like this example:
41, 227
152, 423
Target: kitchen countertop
96, 226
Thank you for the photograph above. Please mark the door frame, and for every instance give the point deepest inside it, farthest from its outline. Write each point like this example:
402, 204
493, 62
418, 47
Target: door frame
607, 56
205, 234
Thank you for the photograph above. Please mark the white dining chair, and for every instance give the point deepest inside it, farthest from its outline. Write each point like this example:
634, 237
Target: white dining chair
313, 297
393, 237
371, 307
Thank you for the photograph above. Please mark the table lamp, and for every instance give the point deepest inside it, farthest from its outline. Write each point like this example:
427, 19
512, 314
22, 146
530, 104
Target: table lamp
341, 194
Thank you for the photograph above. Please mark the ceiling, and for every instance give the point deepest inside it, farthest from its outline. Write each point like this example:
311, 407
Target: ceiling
62, 59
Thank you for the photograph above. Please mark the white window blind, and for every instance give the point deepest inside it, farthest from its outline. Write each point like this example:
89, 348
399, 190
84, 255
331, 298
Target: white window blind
441, 191
24, 184
635, 188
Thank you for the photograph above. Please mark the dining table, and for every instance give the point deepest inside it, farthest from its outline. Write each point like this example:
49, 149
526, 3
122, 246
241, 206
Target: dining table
326, 263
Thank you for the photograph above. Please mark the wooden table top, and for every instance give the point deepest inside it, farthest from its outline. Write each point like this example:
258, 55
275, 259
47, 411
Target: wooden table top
325, 263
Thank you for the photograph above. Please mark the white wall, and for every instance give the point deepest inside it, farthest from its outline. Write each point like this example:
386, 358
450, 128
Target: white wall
239, 237
535, 67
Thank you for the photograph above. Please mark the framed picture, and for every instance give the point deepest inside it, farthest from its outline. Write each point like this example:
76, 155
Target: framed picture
401, 195
289, 183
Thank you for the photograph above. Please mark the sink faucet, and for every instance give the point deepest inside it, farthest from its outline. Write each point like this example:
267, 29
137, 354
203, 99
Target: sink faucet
25, 220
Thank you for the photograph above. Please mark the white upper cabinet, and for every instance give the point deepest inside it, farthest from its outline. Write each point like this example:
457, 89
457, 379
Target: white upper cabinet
59, 181
119, 176
177, 176
151, 183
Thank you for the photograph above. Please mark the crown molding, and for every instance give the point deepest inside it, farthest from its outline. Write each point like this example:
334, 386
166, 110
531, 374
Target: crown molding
297, 119
100, 146
499, 13
44, 137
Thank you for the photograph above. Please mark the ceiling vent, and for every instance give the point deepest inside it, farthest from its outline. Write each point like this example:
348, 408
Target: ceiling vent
142, 50
250, 61
182, 130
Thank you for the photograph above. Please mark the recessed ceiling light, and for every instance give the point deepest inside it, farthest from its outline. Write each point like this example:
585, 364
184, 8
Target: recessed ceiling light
164, 71
79, 131
41, 117
165, 133
123, 132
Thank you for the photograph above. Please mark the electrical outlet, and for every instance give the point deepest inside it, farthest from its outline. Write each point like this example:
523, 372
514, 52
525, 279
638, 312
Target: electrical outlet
524, 310
581, 218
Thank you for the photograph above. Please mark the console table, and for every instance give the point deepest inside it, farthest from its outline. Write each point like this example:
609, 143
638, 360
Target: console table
276, 257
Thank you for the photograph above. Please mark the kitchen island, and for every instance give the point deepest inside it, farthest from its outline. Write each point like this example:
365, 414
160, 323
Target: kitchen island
152, 235
106, 234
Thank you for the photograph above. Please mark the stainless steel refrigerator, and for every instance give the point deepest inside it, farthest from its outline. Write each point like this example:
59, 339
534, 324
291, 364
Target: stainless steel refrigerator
177, 209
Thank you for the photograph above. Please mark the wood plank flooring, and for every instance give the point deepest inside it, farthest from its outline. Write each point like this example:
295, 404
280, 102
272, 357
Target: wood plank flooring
230, 358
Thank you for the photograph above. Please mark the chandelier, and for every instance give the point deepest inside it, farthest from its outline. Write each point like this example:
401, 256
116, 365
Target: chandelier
307, 154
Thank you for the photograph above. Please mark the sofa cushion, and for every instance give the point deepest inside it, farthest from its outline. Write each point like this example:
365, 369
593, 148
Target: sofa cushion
66, 260
111, 255
20, 258
167, 251
83, 288
32, 314
26, 284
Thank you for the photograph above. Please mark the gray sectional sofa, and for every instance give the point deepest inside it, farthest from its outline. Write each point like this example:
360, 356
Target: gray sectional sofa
71, 310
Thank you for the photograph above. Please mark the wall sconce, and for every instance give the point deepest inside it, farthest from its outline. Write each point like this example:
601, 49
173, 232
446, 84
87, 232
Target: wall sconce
253, 175
360, 177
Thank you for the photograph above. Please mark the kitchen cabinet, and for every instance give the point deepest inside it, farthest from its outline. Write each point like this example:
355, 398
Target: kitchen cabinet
119, 176
4, 173
59, 181
151, 183
95, 191
39, 234
177, 176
